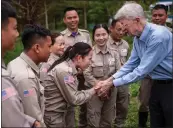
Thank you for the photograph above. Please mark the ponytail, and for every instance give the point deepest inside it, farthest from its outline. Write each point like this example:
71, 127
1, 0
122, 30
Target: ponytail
79, 48
64, 57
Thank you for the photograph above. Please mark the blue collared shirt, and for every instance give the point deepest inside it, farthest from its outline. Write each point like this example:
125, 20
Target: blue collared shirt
151, 55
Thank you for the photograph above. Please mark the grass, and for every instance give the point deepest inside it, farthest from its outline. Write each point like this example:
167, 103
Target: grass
132, 118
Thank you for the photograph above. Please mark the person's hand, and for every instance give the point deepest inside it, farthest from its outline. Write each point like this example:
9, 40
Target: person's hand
105, 97
37, 124
103, 87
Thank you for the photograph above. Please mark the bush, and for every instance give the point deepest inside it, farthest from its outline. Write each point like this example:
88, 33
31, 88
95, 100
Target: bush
16, 52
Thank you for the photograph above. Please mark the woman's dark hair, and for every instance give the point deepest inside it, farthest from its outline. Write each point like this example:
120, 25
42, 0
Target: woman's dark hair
79, 48
54, 36
99, 26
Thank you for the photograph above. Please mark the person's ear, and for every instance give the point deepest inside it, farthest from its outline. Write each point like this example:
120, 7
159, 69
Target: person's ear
64, 20
36, 48
137, 19
79, 58
111, 28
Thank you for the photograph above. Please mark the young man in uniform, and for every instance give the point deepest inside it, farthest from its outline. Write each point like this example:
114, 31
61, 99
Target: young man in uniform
122, 47
12, 109
159, 16
72, 34
24, 69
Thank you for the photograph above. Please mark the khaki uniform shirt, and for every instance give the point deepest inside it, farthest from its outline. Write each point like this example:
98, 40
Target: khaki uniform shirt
170, 29
26, 73
12, 109
122, 47
45, 66
61, 89
81, 36
103, 65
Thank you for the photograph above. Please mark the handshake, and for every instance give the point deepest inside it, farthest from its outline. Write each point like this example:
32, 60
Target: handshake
102, 88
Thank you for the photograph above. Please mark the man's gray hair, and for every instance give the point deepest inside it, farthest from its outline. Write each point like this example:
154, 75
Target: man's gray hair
130, 10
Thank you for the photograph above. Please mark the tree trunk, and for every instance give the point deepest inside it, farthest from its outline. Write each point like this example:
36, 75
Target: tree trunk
46, 15
85, 15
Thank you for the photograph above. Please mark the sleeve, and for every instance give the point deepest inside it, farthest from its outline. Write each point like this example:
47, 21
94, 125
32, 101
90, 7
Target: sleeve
130, 65
28, 93
43, 71
68, 87
117, 61
12, 115
89, 40
88, 75
149, 61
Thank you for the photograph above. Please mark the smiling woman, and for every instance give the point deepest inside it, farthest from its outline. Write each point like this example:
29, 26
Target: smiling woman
105, 62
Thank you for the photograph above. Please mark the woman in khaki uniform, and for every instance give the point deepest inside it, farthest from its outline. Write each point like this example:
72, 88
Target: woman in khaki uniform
57, 49
105, 62
61, 84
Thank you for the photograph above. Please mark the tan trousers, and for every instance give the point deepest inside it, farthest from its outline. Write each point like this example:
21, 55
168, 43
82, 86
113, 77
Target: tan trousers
101, 113
122, 103
70, 117
83, 108
54, 120
144, 94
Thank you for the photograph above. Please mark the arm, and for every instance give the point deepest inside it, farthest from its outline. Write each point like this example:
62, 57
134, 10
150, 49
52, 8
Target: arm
28, 93
149, 61
12, 110
89, 40
69, 89
117, 61
130, 65
89, 78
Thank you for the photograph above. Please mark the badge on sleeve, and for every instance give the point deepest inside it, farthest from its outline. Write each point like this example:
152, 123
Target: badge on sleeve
68, 79
7, 93
44, 70
29, 92
123, 52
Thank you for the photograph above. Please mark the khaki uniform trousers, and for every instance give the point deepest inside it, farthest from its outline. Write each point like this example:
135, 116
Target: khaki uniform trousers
83, 108
54, 120
122, 103
101, 113
144, 94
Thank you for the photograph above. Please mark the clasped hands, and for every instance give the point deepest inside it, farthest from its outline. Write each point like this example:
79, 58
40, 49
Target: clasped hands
102, 88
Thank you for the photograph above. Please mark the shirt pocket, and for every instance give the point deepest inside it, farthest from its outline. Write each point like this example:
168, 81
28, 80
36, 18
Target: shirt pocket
98, 71
123, 52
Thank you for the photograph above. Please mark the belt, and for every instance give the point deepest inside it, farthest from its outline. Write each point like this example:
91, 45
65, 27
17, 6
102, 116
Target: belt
164, 81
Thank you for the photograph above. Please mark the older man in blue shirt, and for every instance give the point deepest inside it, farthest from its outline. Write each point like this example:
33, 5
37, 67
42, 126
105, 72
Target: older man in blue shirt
151, 55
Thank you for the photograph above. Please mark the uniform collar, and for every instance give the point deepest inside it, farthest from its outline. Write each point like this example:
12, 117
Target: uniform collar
29, 62
144, 36
115, 42
4, 69
99, 51
69, 33
71, 64
3, 64
55, 57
